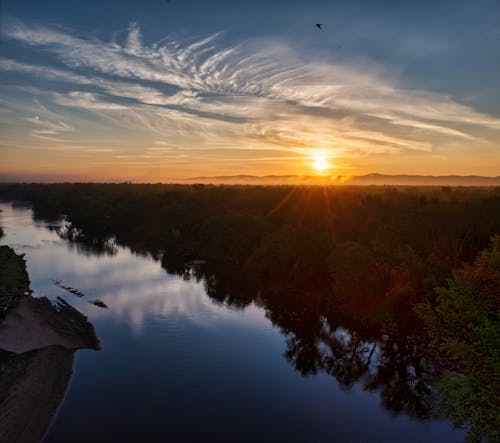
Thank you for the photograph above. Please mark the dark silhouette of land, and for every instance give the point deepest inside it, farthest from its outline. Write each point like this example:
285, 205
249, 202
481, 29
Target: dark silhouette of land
361, 180
330, 180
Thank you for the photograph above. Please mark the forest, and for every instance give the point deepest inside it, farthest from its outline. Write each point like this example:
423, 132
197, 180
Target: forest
412, 273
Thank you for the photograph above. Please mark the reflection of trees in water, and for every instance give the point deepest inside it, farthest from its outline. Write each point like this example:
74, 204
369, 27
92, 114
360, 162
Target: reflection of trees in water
84, 244
322, 335
344, 355
379, 356
404, 374
392, 364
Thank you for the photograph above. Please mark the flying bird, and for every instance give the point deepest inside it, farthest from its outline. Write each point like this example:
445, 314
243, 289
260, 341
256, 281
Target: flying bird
319, 25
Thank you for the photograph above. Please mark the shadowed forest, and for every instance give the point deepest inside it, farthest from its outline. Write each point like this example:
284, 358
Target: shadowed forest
394, 288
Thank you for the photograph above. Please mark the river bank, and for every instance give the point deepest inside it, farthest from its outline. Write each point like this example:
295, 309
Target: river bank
14, 281
37, 344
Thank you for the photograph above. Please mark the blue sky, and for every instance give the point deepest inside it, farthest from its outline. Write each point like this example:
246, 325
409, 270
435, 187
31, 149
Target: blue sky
153, 89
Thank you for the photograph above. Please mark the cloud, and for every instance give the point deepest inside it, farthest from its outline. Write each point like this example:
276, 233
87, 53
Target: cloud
85, 100
255, 94
49, 130
134, 41
422, 125
43, 71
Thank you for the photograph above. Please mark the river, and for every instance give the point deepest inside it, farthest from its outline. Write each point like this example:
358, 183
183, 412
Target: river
177, 366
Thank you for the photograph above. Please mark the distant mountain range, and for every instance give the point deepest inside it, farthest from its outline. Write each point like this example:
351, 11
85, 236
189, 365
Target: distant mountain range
323, 180
360, 180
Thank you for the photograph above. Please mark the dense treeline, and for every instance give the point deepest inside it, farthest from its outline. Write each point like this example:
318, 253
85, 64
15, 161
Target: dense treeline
231, 223
320, 260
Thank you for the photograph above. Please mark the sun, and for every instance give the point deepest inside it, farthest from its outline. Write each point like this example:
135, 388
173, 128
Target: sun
321, 163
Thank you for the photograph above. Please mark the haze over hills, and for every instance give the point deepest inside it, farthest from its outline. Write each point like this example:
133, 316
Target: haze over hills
242, 179
361, 180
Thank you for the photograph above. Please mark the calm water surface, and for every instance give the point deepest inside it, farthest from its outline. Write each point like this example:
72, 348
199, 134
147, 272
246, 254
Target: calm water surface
175, 366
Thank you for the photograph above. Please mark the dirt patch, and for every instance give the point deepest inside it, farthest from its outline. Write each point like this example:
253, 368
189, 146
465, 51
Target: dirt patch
32, 386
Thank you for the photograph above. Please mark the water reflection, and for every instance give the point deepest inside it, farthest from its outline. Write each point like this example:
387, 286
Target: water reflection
197, 308
85, 245
133, 285
392, 365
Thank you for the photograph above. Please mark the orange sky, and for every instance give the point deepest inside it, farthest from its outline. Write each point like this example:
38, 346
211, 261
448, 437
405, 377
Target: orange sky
84, 106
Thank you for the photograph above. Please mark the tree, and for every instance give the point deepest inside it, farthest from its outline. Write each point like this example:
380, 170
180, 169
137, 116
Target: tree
464, 329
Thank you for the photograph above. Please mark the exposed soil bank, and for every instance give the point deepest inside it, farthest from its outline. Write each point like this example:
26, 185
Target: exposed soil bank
36, 323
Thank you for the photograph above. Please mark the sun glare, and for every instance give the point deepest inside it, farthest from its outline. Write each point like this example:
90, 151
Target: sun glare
321, 163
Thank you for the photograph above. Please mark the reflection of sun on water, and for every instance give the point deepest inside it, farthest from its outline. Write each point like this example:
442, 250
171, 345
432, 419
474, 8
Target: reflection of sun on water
320, 163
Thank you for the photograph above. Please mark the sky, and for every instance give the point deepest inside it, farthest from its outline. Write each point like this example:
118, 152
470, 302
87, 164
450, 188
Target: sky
158, 90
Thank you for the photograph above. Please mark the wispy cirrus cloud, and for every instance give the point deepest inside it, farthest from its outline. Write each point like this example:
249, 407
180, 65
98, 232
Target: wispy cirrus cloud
252, 95
49, 130
85, 100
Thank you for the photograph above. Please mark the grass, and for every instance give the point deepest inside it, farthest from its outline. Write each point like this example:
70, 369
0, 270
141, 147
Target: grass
14, 279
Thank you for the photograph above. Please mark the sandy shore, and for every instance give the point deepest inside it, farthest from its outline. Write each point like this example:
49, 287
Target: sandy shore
35, 323
32, 386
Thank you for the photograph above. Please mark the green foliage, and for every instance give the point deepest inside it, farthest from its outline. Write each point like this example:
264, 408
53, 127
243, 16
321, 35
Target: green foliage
471, 404
484, 274
13, 278
464, 329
